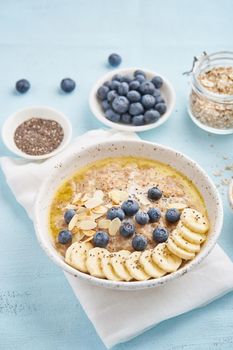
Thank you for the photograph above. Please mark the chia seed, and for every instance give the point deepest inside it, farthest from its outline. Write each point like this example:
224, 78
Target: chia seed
38, 136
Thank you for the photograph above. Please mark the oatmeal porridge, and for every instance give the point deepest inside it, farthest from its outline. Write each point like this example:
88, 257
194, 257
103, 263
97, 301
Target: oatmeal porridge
128, 219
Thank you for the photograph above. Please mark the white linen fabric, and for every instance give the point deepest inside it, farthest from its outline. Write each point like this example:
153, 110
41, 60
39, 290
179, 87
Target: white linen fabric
121, 315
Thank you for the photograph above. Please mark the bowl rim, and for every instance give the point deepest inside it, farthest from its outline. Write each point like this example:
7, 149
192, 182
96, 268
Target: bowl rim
230, 194
14, 116
122, 285
118, 126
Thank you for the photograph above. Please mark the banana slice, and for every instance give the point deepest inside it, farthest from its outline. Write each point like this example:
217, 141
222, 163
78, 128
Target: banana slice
165, 259
195, 220
93, 262
134, 267
107, 268
149, 266
182, 243
183, 254
118, 263
190, 236
76, 255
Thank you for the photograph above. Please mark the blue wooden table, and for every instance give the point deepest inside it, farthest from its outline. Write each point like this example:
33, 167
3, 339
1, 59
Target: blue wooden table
45, 41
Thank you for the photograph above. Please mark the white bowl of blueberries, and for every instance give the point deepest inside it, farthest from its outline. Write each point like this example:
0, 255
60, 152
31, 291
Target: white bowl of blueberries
132, 99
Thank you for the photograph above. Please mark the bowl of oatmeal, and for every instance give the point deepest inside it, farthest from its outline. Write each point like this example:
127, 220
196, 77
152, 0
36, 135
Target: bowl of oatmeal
129, 215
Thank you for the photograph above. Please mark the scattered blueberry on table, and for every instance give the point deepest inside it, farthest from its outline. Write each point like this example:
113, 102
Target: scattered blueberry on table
132, 100
114, 60
68, 85
22, 86
100, 239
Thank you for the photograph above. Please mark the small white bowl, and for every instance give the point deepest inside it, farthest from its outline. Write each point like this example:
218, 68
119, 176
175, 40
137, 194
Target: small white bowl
18, 117
230, 194
167, 93
78, 159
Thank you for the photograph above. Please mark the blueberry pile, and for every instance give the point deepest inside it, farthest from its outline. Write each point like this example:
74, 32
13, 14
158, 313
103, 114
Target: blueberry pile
132, 100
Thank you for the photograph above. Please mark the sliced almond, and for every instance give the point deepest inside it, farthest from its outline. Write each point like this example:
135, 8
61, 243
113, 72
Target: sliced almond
77, 197
87, 225
108, 206
71, 206
89, 233
83, 216
118, 196
81, 210
73, 222
114, 226
93, 203
77, 237
95, 216
88, 239
177, 205
99, 194
85, 197
100, 209
104, 223
143, 199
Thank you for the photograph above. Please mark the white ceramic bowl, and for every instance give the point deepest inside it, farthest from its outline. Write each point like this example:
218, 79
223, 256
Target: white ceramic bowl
18, 117
230, 194
167, 93
77, 160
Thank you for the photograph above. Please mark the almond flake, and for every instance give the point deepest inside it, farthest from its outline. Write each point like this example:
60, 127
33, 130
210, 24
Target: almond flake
82, 210
77, 237
85, 197
114, 226
118, 196
99, 194
89, 233
71, 206
77, 197
100, 209
177, 205
73, 222
88, 239
87, 225
143, 200
104, 223
93, 203
95, 216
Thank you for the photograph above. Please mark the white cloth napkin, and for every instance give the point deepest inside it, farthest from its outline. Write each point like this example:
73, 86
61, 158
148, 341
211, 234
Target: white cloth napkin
121, 315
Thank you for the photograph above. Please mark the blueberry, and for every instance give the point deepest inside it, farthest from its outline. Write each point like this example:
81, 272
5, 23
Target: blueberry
117, 77
154, 193
102, 92
130, 207
22, 86
127, 79
108, 84
139, 72
157, 81
172, 215
126, 118
115, 212
140, 78
159, 99
123, 89
64, 237
68, 85
138, 120
115, 84
139, 242
134, 85
120, 104
112, 116
148, 101
105, 105
114, 60
68, 215
161, 108
127, 229
151, 116
160, 234
111, 95
147, 88
142, 218
136, 108
154, 214
133, 96
100, 239
156, 93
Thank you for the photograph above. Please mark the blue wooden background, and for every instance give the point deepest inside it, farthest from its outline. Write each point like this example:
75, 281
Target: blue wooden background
48, 40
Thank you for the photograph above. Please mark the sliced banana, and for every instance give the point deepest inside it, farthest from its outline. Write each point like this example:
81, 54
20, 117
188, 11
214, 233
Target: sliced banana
134, 267
118, 263
183, 254
149, 266
167, 261
182, 243
107, 267
190, 236
195, 220
76, 255
93, 262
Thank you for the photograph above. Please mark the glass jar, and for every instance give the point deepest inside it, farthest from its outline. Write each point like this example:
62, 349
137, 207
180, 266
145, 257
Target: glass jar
211, 98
